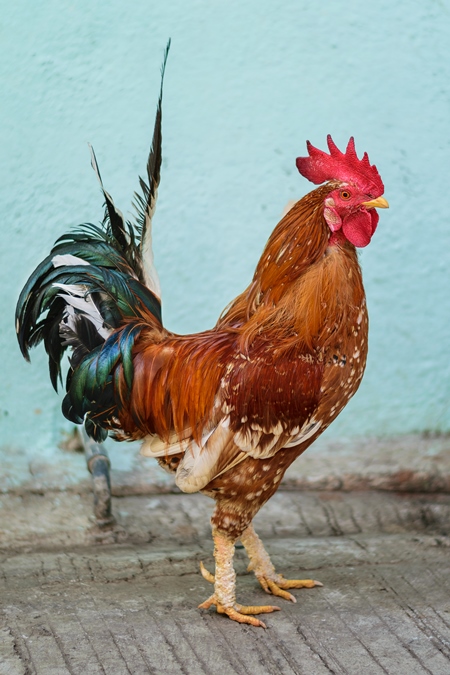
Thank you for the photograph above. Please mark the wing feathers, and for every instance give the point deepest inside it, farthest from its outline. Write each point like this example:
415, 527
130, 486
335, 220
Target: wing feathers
202, 463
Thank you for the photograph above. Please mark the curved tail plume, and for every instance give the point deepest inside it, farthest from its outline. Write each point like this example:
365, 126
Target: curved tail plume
94, 292
145, 204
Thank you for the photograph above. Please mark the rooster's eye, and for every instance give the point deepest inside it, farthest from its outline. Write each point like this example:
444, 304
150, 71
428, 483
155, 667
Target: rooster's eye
345, 194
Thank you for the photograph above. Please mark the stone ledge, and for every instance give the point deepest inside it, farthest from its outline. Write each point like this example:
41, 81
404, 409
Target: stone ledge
414, 463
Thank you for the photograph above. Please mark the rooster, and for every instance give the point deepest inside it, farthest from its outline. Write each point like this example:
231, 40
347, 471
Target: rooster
229, 409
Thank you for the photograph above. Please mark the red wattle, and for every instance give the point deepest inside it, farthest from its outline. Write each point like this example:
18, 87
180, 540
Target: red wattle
375, 216
359, 226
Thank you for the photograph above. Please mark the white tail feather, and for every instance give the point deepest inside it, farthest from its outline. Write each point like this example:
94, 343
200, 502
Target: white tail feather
76, 298
67, 259
150, 274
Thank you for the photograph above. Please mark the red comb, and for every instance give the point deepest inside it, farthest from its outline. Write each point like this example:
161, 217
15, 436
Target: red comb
320, 167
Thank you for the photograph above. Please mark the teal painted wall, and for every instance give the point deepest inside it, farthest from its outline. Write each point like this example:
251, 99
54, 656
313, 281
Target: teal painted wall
247, 83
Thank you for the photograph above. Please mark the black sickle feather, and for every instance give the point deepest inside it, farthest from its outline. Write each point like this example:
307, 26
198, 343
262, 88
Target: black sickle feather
145, 203
112, 214
83, 339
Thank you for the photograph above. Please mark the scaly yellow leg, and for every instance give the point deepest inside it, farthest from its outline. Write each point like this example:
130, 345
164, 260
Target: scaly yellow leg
224, 581
264, 571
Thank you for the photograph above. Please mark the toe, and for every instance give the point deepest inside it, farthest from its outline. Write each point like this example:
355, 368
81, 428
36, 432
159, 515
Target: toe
276, 590
298, 583
207, 604
240, 617
206, 574
256, 609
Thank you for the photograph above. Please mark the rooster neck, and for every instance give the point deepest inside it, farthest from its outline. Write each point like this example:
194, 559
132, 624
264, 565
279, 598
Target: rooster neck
312, 311
327, 299
299, 240
303, 288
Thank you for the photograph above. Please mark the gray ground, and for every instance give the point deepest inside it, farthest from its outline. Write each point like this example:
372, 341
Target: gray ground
128, 605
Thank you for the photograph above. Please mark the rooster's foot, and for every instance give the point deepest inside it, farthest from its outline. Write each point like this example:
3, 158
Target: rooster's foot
224, 586
264, 571
240, 613
277, 585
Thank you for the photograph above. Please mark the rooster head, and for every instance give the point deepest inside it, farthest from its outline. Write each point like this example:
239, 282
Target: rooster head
350, 207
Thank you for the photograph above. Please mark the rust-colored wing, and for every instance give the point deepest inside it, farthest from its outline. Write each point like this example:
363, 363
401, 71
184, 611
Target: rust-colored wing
264, 401
269, 398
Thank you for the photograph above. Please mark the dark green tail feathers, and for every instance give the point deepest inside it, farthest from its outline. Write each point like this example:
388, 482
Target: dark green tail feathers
95, 292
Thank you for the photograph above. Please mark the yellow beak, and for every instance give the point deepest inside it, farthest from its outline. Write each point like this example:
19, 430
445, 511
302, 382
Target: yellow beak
380, 203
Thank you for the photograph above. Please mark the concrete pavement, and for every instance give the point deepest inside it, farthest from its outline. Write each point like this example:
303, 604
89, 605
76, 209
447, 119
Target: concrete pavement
73, 605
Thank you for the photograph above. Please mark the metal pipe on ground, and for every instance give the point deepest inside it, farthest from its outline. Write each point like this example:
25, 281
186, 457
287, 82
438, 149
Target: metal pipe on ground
99, 466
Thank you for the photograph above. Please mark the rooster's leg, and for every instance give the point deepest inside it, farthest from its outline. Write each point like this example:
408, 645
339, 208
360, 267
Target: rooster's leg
264, 571
224, 597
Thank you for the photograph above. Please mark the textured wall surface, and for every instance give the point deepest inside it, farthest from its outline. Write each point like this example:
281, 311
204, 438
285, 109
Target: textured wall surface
247, 83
